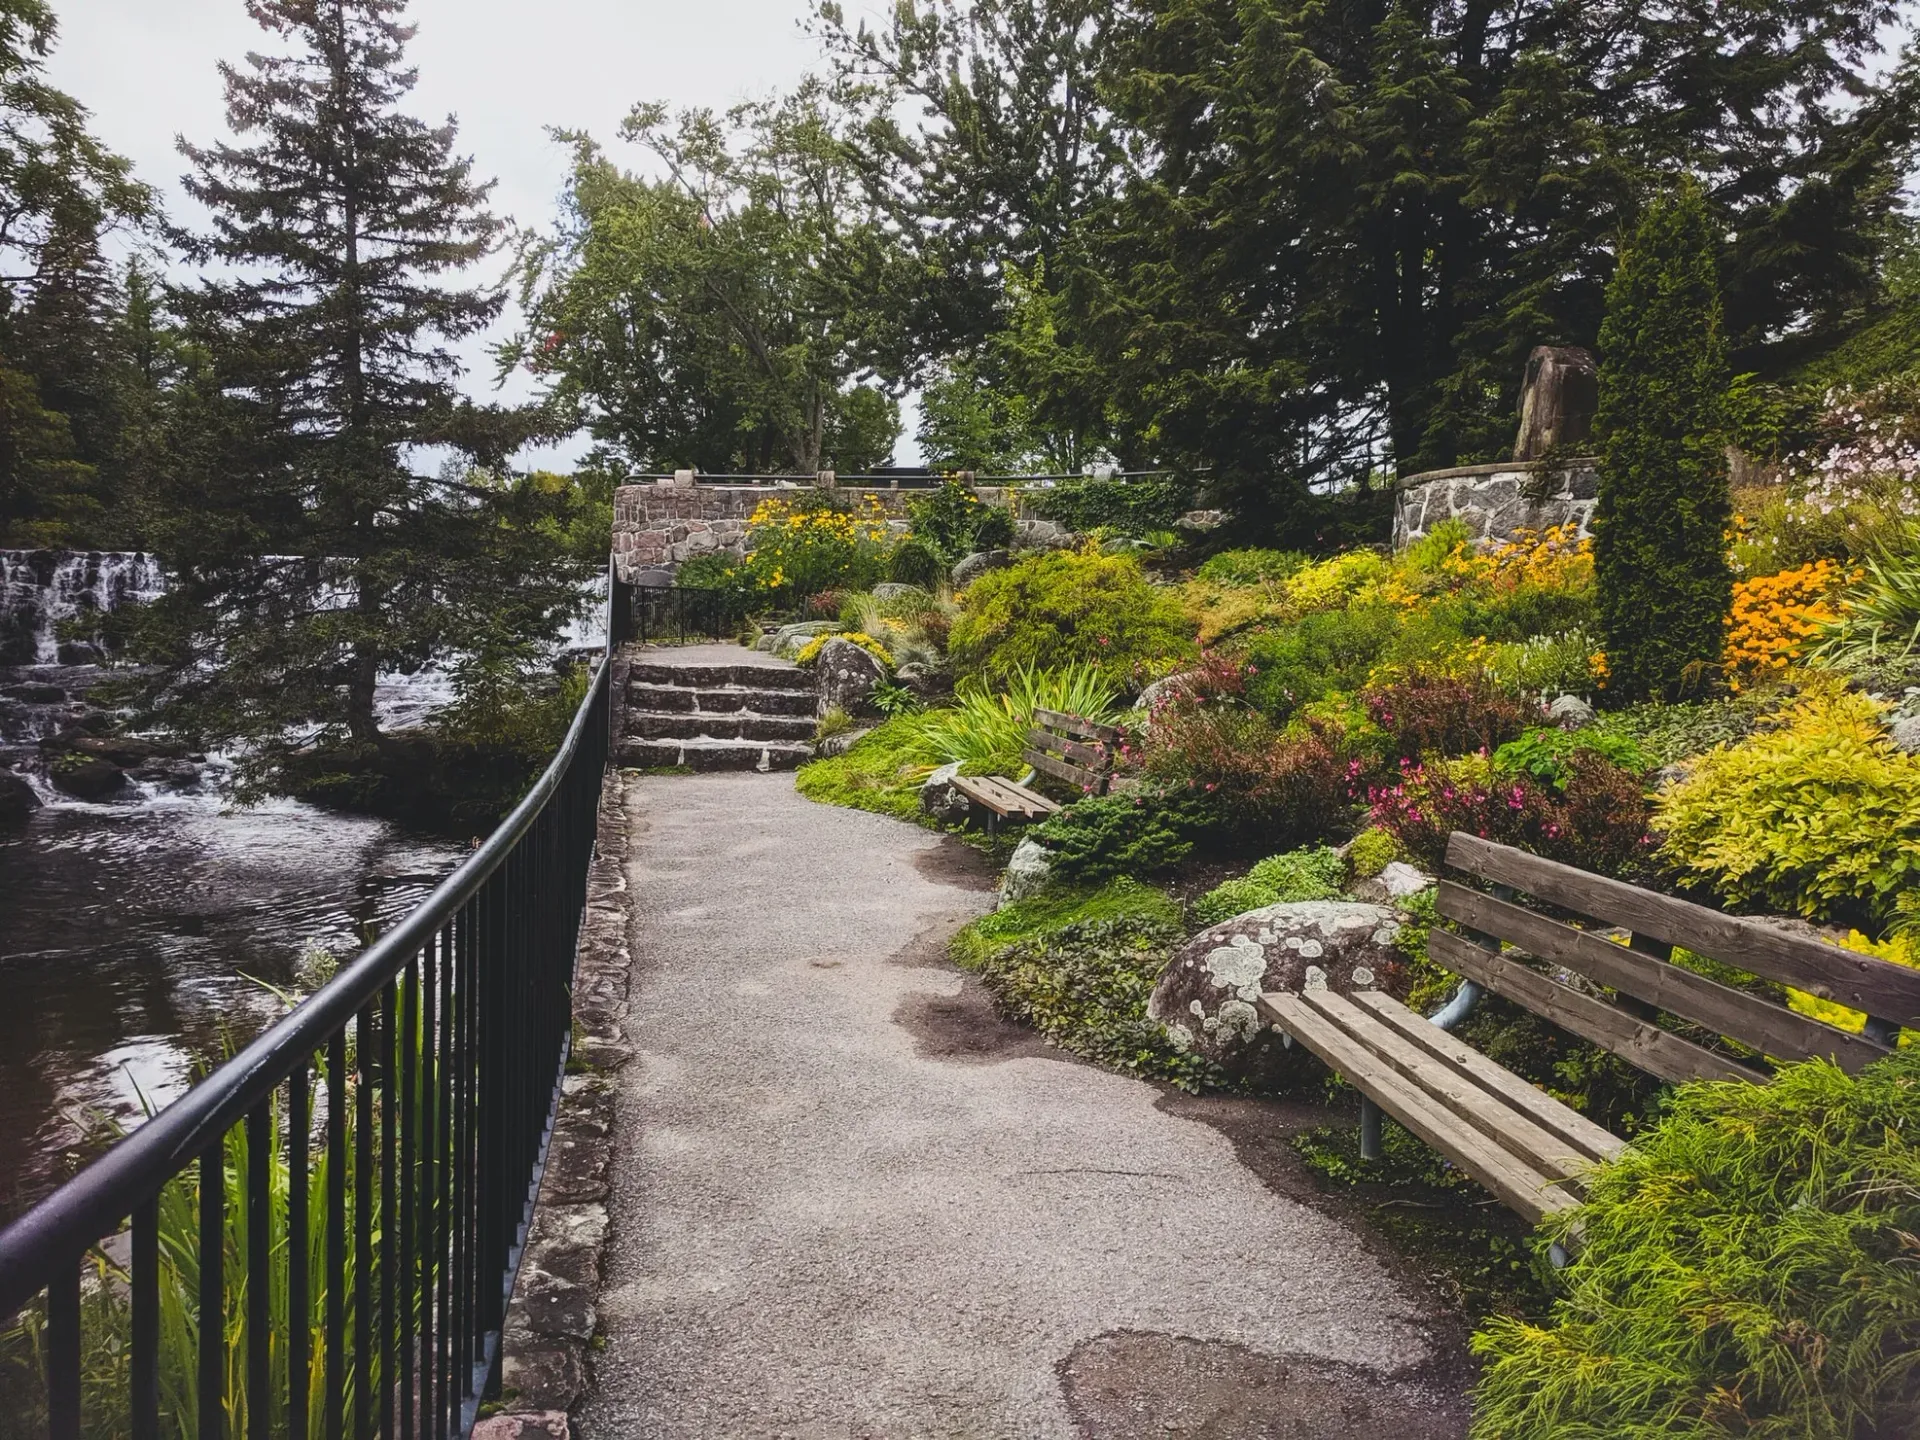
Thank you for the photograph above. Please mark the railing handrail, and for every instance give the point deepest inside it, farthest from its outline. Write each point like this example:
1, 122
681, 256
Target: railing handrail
42, 1242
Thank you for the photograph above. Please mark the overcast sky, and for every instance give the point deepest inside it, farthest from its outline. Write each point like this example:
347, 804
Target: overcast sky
507, 69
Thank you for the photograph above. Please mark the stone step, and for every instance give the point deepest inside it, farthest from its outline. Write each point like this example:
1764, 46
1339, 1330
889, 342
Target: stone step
740, 725
730, 699
767, 676
713, 754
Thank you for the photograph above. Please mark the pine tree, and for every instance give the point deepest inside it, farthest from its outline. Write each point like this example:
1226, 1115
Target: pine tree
1660, 547
310, 558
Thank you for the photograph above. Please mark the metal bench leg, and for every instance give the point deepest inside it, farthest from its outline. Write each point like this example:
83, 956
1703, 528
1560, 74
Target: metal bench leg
1369, 1129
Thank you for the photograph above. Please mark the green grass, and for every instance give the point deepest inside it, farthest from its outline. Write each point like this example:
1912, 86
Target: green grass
880, 772
1054, 910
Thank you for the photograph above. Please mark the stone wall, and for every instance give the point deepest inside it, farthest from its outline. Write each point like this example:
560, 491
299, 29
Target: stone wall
1495, 501
659, 526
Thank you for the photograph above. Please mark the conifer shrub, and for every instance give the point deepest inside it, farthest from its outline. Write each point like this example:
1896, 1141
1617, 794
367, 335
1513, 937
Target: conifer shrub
1660, 524
1070, 607
1819, 817
914, 562
1141, 832
1748, 1268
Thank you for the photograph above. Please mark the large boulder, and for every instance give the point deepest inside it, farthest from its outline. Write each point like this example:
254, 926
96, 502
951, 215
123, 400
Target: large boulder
1206, 997
1032, 534
1558, 399
1570, 712
1028, 871
845, 674
977, 564
17, 800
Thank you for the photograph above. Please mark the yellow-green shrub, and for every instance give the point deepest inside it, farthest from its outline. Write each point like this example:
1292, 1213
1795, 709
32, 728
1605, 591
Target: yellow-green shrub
1820, 817
1069, 607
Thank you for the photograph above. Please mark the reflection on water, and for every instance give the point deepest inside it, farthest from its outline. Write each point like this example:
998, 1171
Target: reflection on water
134, 938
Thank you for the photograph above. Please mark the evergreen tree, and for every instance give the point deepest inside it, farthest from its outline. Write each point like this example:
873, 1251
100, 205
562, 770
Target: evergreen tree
310, 558
61, 191
1660, 526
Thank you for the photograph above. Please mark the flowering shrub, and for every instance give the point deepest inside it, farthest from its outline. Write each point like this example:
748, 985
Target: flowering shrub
953, 522
1427, 714
1598, 820
1557, 558
801, 548
1820, 817
1776, 617
810, 653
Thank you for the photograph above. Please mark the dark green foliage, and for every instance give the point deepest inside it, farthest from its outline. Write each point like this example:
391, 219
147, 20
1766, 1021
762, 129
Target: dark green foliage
1670, 733
915, 563
953, 522
715, 571
1660, 525
1326, 651
1132, 507
1080, 968
1138, 833
1544, 753
1748, 1269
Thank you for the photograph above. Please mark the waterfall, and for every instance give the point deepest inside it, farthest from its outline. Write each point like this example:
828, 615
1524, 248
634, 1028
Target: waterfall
39, 589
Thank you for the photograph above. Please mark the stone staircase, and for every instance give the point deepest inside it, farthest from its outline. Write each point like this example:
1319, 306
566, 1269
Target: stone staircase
731, 716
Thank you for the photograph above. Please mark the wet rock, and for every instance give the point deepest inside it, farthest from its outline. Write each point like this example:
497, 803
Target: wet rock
1028, 871
1206, 997
126, 750
1570, 712
845, 675
979, 563
940, 801
86, 777
17, 800
174, 774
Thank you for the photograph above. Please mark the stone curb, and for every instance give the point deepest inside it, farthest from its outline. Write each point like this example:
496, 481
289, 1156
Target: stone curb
555, 1307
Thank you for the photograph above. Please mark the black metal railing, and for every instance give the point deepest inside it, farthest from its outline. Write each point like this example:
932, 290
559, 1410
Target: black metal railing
672, 615
382, 1146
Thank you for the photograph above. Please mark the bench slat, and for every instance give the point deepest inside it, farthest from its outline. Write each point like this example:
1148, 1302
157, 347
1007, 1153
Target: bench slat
1074, 725
1860, 982
1003, 796
1590, 1139
1648, 1046
1060, 770
1518, 1185
1772, 1029
1069, 749
1487, 1112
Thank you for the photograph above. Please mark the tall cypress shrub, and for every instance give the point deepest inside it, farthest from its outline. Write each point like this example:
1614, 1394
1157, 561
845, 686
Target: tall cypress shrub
1660, 525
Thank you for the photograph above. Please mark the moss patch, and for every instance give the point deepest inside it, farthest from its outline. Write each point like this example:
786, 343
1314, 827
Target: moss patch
877, 773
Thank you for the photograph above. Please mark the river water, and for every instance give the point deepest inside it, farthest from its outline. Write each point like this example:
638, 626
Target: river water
139, 936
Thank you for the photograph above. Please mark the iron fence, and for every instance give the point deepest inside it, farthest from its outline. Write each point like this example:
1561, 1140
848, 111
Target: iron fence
324, 1232
671, 615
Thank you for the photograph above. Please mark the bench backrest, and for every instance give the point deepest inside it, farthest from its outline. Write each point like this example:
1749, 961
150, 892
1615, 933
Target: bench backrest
1644, 980
1073, 751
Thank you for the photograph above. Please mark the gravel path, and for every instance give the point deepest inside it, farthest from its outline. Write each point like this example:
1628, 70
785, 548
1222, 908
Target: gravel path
820, 1230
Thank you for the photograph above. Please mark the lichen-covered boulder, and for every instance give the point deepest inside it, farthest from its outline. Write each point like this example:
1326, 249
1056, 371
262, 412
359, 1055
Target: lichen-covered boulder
844, 677
789, 640
1028, 870
1206, 997
1905, 734
1570, 712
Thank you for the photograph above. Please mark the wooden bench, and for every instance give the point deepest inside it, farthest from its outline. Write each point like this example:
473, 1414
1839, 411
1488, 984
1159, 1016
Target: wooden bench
1062, 747
1527, 1148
